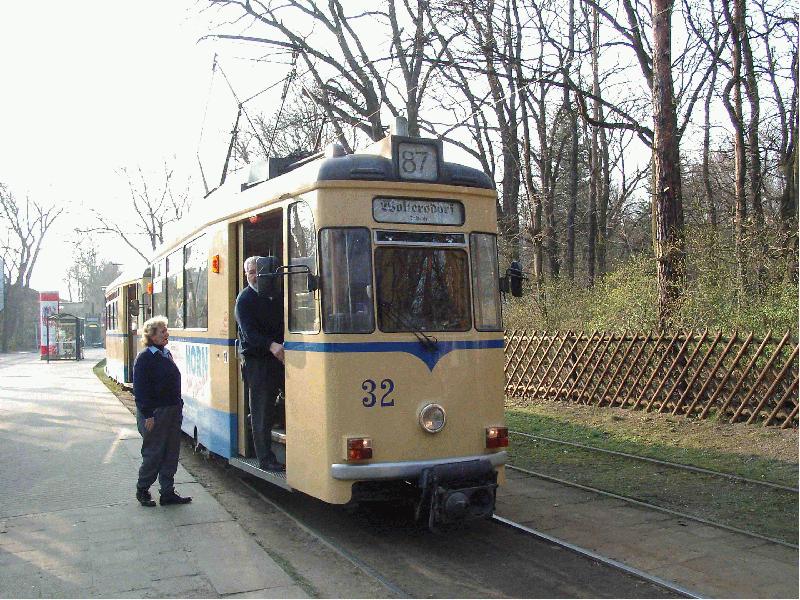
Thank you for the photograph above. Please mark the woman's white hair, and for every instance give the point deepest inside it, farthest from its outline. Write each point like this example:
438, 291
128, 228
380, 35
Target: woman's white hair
150, 327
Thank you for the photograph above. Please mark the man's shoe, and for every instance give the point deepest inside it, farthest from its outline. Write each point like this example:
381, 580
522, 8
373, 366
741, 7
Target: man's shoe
173, 498
144, 497
271, 466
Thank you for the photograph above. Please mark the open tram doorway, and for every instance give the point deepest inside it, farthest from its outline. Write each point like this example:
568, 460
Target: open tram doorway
259, 235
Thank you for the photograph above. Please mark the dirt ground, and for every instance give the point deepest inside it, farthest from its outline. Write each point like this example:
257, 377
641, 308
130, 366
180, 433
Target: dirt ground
655, 428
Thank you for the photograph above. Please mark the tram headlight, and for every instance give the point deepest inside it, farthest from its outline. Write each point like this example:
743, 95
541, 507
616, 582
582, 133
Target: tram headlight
432, 418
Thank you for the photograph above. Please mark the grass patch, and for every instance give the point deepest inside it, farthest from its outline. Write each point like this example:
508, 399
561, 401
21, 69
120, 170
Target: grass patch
99, 371
122, 393
752, 452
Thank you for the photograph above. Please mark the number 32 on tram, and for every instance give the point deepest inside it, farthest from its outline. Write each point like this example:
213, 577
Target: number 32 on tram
388, 265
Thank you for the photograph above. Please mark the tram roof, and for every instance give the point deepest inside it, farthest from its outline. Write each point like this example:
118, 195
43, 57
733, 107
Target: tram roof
128, 276
279, 178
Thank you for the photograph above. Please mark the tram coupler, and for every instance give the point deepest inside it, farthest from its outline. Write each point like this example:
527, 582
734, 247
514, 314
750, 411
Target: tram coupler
455, 492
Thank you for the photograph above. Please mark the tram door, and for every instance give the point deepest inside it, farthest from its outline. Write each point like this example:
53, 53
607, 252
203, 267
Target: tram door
260, 235
132, 315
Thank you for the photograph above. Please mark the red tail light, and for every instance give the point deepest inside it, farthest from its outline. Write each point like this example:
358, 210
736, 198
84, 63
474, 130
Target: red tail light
496, 437
359, 448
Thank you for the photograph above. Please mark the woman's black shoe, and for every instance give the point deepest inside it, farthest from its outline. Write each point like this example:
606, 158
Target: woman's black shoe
173, 498
144, 497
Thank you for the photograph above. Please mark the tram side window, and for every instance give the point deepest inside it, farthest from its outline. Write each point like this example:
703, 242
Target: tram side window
159, 291
175, 289
303, 315
196, 278
347, 305
485, 281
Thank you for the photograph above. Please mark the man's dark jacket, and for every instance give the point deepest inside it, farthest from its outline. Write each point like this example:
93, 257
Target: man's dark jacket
156, 382
260, 323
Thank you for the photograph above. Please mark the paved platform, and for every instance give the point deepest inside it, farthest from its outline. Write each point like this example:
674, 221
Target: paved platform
69, 523
710, 561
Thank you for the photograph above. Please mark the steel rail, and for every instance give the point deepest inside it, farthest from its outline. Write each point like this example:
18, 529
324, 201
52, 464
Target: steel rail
669, 585
652, 506
659, 462
360, 565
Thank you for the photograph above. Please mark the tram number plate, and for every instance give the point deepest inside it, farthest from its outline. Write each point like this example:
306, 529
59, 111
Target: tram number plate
385, 394
417, 161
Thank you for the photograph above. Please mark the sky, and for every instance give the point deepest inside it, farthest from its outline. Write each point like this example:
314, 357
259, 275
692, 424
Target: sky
90, 87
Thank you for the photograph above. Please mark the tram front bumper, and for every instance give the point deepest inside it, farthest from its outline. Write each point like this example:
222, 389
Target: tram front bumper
406, 469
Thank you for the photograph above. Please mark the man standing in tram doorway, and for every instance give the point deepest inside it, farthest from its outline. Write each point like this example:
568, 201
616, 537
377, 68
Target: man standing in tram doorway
260, 324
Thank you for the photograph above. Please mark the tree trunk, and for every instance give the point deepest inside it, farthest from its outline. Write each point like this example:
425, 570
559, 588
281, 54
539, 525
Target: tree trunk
12, 315
753, 146
711, 205
734, 109
573, 154
594, 159
669, 244
788, 207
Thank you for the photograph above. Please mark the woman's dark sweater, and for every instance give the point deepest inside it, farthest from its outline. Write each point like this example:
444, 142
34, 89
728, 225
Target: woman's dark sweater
156, 382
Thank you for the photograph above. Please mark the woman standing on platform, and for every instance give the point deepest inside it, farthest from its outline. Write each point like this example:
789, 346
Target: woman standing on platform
159, 412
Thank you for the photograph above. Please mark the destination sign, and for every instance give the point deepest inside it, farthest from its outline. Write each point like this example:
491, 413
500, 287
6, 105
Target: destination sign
417, 161
409, 210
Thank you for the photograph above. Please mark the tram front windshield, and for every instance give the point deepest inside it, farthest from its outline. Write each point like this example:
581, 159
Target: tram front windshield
422, 288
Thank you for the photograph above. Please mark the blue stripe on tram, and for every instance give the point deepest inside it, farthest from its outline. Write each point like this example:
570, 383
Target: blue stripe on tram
429, 357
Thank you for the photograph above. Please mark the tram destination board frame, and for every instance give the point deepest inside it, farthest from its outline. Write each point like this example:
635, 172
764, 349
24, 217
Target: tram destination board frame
418, 211
417, 159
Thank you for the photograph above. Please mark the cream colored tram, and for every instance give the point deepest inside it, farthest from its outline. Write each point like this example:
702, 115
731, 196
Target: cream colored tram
122, 320
393, 332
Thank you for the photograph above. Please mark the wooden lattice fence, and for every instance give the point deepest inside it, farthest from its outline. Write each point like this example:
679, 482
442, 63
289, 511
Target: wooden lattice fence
737, 377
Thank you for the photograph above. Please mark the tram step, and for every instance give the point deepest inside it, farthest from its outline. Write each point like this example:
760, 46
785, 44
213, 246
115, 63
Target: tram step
250, 465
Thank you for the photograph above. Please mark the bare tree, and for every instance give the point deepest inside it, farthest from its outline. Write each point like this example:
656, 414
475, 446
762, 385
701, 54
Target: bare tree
87, 275
156, 206
24, 226
351, 82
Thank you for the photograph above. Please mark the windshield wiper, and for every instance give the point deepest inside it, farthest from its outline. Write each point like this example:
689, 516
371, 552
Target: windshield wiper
428, 342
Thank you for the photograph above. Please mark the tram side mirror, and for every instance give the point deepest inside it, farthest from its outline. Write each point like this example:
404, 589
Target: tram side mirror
268, 283
514, 277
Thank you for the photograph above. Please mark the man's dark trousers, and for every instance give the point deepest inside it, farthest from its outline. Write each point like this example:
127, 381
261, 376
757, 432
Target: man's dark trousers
264, 380
160, 448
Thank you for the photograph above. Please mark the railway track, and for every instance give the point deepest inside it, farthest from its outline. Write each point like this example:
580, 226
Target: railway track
669, 585
664, 463
649, 505
397, 591
592, 562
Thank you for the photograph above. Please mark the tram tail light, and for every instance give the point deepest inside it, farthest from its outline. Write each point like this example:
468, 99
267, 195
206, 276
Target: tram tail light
149, 287
496, 437
359, 448
215, 263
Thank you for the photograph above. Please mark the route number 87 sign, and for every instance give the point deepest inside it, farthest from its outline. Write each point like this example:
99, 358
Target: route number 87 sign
417, 161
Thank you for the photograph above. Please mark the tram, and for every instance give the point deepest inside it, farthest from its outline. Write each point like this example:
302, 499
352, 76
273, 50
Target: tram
388, 265
122, 321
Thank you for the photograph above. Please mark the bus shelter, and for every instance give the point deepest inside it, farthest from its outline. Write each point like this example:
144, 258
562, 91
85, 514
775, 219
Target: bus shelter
68, 342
